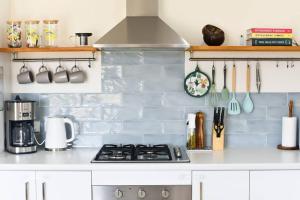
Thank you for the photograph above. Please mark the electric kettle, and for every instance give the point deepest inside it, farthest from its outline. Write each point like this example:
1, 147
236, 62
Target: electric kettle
56, 134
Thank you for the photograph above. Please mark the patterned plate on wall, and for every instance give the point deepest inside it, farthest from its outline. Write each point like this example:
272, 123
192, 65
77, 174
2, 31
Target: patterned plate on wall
197, 83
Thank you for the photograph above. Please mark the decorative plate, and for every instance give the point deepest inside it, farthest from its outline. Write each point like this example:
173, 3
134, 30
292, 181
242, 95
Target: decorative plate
197, 83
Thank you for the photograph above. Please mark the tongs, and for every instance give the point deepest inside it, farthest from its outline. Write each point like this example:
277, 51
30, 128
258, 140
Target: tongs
258, 81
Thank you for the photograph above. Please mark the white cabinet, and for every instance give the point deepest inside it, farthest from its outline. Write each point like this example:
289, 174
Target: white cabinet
17, 185
45, 185
220, 185
66, 185
275, 185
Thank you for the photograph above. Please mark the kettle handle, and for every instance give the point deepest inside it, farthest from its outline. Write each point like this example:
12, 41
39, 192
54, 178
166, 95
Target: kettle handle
71, 123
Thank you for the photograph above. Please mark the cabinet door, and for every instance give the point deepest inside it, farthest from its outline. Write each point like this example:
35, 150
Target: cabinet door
275, 185
63, 185
17, 185
221, 185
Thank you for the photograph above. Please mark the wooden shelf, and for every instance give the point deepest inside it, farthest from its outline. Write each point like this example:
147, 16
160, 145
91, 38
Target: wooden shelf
48, 49
246, 48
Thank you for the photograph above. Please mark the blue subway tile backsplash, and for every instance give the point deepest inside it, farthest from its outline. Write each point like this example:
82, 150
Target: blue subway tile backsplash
143, 101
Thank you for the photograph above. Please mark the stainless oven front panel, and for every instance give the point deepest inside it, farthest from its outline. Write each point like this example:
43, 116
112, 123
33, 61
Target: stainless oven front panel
147, 192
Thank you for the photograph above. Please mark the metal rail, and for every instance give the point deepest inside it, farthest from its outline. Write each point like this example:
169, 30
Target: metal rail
25, 60
244, 59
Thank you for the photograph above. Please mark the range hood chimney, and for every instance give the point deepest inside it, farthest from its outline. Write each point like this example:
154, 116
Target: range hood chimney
142, 28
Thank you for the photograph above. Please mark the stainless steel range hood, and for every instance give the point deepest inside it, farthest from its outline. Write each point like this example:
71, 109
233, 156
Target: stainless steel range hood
142, 28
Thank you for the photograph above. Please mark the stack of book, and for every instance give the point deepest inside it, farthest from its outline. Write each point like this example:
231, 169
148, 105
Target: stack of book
269, 37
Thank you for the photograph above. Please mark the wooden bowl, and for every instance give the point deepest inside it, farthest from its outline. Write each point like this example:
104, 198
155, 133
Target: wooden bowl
212, 35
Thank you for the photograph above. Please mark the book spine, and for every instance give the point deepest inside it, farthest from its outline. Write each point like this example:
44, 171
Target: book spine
270, 30
270, 42
269, 35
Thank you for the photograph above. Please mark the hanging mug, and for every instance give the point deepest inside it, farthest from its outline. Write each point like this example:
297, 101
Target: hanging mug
61, 75
44, 76
77, 76
25, 76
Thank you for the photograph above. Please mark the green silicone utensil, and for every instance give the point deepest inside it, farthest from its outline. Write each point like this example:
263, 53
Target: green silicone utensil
248, 104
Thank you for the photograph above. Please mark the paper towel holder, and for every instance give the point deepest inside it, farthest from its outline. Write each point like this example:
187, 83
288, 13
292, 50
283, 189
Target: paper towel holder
290, 117
287, 148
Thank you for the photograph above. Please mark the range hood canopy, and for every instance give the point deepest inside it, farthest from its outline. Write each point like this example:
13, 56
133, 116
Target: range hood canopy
142, 28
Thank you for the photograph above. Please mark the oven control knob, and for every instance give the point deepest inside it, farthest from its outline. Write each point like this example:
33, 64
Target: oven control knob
118, 194
165, 193
141, 194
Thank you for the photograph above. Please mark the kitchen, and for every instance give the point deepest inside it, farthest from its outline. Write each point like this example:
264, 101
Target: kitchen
137, 96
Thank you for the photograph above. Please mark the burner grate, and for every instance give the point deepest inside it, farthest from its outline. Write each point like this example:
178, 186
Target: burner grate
130, 152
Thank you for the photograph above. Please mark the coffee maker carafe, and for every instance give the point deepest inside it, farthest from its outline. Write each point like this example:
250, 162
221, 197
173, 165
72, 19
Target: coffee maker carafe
19, 126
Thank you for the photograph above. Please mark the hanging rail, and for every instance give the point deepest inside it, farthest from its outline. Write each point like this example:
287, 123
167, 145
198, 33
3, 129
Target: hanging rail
24, 60
51, 59
244, 59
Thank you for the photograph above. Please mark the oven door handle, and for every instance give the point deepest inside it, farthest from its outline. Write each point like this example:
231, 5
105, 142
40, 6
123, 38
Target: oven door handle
201, 190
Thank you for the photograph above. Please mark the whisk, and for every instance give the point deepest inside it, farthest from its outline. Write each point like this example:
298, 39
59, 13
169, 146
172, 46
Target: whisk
213, 95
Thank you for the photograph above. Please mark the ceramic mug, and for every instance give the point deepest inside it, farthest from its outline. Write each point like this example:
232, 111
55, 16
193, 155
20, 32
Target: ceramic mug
61, 75
25, 76
44, 76
77, 76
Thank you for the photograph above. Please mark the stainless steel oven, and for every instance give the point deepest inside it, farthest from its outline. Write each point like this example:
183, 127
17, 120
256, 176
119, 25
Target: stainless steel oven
145, 192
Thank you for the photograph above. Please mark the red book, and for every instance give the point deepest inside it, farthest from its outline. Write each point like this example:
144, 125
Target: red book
270, 30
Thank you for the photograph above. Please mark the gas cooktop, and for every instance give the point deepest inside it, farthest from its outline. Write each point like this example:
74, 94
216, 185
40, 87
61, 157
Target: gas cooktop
162, 153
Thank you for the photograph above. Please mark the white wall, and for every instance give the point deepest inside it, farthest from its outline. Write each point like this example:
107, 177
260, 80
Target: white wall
235, 17
96, 16
186, 17
5, 58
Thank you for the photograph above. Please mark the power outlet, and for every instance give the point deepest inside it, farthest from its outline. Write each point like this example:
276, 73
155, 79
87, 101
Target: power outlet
37, 126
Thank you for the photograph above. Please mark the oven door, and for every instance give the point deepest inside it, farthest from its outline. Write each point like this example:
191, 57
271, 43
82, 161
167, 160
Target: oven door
137, 185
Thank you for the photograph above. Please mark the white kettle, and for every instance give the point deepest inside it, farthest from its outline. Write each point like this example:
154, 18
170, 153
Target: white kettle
56, 134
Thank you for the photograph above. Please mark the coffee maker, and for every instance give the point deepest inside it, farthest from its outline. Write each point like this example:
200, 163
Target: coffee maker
19, 126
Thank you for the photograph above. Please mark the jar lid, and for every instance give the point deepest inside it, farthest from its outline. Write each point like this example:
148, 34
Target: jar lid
14, 22
49, 21
32, 22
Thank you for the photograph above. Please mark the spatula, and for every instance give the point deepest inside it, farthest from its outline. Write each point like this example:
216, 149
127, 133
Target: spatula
234, 106
248, 104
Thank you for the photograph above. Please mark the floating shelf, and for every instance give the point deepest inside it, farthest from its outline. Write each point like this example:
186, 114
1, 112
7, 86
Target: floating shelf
245, 48
48, 49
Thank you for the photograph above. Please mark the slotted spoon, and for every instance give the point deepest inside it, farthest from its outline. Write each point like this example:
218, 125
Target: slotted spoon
234, 106
248, 104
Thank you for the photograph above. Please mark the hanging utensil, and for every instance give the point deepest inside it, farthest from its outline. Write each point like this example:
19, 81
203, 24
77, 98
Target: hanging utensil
234, 106
197, 83
247, 103
258, 80
225, 91
213, 95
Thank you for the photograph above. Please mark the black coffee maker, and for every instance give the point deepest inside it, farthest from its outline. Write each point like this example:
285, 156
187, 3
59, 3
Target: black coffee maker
19, 126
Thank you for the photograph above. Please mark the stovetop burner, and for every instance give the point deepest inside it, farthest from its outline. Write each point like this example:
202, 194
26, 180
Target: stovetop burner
140, 153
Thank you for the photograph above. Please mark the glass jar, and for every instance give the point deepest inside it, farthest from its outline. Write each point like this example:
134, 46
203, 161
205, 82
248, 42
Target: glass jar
50, 33
14, 34
32, 33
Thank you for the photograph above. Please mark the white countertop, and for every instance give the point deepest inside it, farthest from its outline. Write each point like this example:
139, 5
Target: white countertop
230, 159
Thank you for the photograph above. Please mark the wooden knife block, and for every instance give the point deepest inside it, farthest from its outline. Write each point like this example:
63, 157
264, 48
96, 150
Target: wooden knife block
218, 142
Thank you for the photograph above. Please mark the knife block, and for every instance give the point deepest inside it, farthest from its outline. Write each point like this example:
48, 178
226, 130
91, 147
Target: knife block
218, 142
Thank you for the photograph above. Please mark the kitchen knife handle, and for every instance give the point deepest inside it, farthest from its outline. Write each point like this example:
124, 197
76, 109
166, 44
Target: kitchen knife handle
27, 190
44, 190
201, 190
